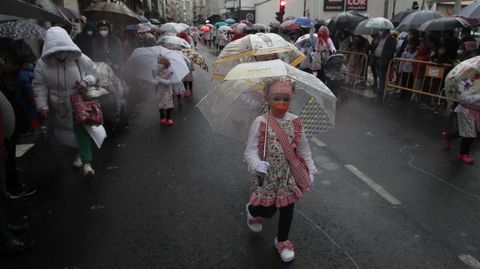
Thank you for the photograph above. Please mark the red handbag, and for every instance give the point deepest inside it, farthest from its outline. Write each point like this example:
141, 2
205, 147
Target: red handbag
86, 112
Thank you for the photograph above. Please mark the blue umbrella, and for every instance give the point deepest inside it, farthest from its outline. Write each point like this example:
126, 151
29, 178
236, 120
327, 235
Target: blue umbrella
303, 22
230, 21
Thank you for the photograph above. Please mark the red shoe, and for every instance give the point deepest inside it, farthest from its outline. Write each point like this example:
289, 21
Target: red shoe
163, 121
447, 143
169, 122
466, 158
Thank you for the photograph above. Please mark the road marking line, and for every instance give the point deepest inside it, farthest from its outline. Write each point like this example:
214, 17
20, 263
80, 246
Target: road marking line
469, 261
318, 142
328, 236
372, 184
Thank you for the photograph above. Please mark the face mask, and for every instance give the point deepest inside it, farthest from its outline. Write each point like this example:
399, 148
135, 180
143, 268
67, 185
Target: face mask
89, 32
62, 55
459, 52
104, 33
281, 107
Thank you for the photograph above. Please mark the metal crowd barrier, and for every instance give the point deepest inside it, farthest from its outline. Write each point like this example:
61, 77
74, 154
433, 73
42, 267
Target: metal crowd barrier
361, 74
430, 83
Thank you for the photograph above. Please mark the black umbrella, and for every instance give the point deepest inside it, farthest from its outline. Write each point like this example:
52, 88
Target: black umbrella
417, 18
27, 10
471, 11
442, 24
397, 18
346, 21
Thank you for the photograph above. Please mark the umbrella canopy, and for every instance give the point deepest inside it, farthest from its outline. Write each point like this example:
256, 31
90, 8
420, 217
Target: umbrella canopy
417, 18
219, 24
242, 26
230, 21
248, 48
259, 26
379, 23
112, 12
300, 42
210, 25
361, 29
70, 13
465, 73
225, 28
286, 23
303, 22
173, 42
196, 58
21, 29
442, 24
346, 21
290, 18
233, 105
397, 18
173, 28
471, 11
205, 28
143, 60
27, 10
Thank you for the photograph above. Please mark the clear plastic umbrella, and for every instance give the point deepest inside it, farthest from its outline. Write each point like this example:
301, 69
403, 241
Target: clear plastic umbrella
248, 48
173, 28
379, 23
232, 106
173, 42
143, 60
464, 73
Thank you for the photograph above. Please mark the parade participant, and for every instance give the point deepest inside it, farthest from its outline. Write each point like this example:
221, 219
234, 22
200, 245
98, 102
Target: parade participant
164, 90
62, 71
108, 48
84, 40
468, 118
277, 188
384, 52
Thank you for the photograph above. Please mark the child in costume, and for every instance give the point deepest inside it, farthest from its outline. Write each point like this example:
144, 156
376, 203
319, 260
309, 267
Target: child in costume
279, 157
164, 90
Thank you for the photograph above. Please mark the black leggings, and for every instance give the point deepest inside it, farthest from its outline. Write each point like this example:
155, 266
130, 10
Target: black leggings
165, 113
188, 85
466, 143
284, 222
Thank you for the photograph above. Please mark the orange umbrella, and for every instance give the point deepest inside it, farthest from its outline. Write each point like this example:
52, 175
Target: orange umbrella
205, 28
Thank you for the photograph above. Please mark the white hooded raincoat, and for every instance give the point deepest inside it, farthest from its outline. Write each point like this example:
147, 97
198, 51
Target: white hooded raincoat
54, 82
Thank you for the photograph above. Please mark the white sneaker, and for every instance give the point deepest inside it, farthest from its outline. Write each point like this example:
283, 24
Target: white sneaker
77, 162
88, 170
255, 224
285, 250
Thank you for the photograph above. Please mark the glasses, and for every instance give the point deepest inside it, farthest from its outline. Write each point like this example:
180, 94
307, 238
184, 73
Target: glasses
281, 98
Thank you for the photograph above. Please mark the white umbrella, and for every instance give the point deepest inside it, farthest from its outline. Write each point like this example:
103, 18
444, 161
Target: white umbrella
144, 60
379, 23
173, 42
172, 27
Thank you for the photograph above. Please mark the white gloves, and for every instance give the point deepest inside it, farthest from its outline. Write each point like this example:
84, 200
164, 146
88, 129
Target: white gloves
262, 167
312, 179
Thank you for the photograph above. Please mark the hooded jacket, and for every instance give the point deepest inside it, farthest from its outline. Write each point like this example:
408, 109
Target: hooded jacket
55, 79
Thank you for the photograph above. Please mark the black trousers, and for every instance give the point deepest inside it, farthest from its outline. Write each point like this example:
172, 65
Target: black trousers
466, 143
165, 113
284, 222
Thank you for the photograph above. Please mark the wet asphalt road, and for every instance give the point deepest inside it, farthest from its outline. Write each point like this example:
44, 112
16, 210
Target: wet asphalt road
174, 197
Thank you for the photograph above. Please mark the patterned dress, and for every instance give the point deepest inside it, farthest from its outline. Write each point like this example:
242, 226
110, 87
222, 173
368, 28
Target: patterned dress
279, 188
164, 94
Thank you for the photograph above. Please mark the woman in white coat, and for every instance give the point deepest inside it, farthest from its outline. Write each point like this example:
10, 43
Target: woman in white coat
62, 71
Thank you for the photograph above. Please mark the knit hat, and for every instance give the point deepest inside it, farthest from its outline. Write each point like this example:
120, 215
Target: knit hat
280, 86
